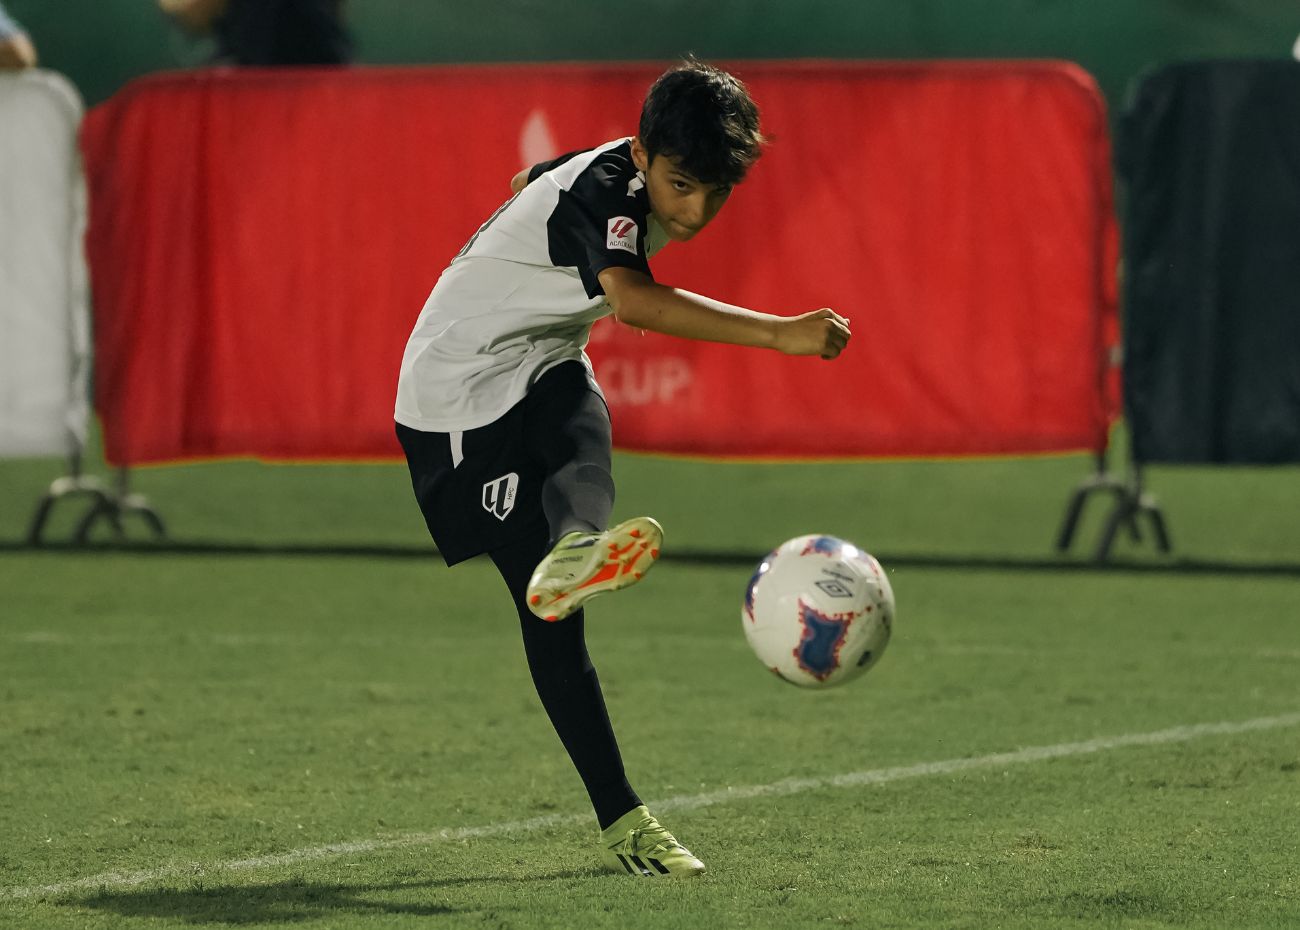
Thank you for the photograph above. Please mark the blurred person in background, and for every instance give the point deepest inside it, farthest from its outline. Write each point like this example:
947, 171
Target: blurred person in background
259, 33
16, 49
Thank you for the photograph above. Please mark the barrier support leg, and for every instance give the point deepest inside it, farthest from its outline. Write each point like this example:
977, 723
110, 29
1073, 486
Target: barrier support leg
1101, 480
121, 504
1131, 508
72, 485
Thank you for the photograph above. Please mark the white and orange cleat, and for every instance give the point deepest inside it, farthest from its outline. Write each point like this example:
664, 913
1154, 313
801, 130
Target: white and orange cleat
582, 565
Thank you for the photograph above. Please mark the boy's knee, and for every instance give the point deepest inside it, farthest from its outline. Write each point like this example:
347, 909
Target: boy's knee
595, 475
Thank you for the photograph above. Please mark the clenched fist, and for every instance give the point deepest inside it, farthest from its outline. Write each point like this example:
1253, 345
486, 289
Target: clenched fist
822, 332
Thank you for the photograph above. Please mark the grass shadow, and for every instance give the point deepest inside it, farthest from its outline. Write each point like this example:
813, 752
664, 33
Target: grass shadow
292, 901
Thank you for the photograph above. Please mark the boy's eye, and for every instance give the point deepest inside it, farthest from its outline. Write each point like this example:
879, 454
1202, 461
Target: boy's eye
679, 185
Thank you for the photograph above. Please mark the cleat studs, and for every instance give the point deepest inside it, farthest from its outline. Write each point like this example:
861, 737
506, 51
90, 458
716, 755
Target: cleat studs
654, 553
550, 618
635, 534
535, 599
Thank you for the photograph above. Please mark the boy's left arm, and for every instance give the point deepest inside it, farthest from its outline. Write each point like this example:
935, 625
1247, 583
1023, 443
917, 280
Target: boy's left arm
639, 301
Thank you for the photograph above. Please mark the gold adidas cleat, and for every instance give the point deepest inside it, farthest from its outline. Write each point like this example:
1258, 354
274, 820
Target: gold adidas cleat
636, 844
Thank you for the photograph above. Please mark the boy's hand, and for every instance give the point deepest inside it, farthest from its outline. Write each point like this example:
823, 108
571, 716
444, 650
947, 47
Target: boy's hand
822, 332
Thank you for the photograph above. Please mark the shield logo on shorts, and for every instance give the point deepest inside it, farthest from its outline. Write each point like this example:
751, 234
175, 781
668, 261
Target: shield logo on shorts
499, 495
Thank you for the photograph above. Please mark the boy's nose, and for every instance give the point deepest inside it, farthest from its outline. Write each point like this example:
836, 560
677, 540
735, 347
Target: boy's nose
697, 210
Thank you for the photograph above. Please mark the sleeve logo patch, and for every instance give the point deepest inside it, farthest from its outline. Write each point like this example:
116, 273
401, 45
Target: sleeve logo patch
621, 234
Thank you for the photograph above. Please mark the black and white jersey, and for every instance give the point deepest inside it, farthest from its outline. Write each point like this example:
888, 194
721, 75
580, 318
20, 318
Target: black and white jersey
523, 293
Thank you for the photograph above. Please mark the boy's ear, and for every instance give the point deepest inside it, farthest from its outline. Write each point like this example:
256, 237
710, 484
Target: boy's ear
640, 157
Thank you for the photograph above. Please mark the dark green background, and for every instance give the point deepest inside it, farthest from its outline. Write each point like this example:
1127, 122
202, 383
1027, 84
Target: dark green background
101, 44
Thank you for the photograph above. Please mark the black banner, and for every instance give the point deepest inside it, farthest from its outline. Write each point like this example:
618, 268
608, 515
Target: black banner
1210, 154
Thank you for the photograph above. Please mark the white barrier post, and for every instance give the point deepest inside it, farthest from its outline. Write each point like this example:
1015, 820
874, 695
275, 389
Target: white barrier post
44, 319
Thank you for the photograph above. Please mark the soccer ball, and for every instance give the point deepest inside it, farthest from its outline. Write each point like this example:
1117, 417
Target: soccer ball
818, 611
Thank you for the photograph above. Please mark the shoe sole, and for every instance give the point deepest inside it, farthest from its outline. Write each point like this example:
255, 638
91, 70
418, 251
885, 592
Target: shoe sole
630, 550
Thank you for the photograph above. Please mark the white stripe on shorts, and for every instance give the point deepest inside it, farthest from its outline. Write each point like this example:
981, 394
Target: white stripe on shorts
457, 453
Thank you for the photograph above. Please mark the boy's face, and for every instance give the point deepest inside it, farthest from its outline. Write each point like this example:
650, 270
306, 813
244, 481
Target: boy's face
681, 203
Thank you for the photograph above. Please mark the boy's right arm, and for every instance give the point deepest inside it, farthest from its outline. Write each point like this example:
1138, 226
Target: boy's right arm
528, 175
639, 301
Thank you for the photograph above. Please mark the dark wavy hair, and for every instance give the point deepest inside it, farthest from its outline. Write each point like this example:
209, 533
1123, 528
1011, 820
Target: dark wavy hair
705, 117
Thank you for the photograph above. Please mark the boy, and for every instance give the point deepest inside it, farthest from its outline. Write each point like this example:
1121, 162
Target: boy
506, 431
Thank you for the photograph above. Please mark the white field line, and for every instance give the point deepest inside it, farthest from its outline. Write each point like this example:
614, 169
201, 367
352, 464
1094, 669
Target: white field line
189, 639
109, 881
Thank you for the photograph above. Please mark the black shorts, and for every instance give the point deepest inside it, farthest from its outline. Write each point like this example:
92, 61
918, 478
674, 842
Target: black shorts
482, 489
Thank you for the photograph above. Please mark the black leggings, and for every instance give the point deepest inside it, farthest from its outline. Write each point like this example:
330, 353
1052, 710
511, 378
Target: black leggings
567, 684
567, 428
558, 440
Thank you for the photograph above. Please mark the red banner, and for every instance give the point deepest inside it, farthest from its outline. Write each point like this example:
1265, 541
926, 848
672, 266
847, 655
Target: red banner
261, 243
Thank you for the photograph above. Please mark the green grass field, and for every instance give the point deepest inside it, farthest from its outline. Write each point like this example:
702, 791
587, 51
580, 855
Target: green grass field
299, 717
